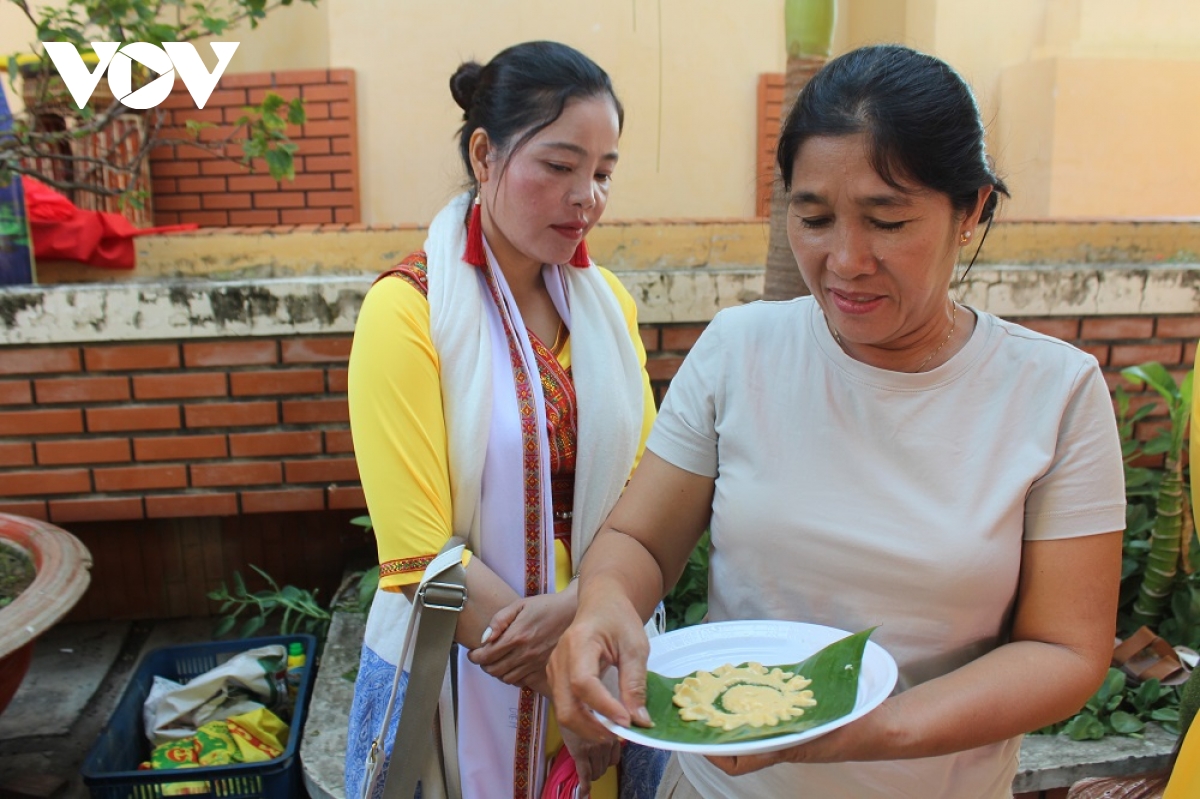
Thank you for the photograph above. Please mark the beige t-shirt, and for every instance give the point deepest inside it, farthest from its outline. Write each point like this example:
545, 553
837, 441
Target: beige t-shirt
853, 496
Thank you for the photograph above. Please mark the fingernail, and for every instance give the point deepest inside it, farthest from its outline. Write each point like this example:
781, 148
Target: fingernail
487, 633
643, 717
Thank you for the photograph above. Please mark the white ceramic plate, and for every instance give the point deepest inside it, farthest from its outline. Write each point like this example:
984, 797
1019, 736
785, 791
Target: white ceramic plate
771, 643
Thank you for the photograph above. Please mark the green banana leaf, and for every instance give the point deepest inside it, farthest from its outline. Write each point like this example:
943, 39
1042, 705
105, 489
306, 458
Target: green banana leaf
834, 673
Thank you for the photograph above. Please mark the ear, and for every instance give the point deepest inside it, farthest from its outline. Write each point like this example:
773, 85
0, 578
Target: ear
479, 148
971, 220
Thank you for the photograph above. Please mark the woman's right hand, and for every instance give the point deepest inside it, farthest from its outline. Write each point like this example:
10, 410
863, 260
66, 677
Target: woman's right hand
604, 634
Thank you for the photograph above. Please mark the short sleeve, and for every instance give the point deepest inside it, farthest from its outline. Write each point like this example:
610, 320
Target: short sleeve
685, 433
1083, 490
399, 430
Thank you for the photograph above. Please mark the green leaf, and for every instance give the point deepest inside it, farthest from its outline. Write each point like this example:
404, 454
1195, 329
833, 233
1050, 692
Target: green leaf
1084, 727
695, 613
296, 114
281, 164
224, 626
362, 521
252, 626
1125, 723
239, 586
1165, 714
834, 672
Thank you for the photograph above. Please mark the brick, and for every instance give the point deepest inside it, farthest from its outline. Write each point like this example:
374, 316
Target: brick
253, 183
15, 392
247, 80
257, 445
331, 199
16, 453
205, 218
183, 116
227, 96
344, 180
175, 168
314, 147
98, 509
297, 77
203, 185
41, 422
1134, 354
175, 448
338, 441
230, 353
279, 199
681, 338
293, 499
35, 509
328, 470
1117, 327
82, 389
131, 357
1178, 327
344, 147
346, 498
223, 168
38, 360
226, 201
45, 481
133, 417
318, 182
1066, 329
140, 478
180, 386
331, 128
316, 111
1100, 351
256, 96
306, 216
83, 450
178, 202
315, 411
170, 506
281, 381
329, 92
236, 474
341, 110
346, 216
315, 350
247, 218
231, 414
165, 218
328, 163
650, 337
342, 76
162, 187
1189, 353
337, 379
663, 368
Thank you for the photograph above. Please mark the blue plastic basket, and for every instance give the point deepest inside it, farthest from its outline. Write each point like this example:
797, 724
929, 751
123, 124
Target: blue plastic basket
110, 768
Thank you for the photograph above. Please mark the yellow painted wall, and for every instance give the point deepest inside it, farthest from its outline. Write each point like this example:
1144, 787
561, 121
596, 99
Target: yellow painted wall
1085, 100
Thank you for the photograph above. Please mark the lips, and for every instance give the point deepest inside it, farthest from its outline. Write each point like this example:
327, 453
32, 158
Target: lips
855, 303
571, 230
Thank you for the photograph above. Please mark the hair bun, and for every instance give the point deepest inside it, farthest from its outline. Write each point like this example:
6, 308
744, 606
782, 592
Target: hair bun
464, 82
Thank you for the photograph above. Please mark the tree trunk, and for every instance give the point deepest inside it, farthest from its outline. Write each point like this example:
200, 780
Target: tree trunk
783, 280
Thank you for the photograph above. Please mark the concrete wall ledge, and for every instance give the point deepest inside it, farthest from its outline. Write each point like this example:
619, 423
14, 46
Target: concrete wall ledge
139, 311
1046, 761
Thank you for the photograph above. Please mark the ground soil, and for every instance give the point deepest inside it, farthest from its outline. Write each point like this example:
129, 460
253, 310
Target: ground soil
16, 573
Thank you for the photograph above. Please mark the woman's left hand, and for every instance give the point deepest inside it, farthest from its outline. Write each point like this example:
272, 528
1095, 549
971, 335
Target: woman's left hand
859, 740
522, 637
592, 759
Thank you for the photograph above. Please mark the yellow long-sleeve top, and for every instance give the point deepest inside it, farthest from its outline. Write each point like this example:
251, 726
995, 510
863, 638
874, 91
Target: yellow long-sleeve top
399, 428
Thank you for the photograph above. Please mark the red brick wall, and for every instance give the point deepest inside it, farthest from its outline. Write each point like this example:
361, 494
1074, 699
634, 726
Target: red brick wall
192, 185
178, 462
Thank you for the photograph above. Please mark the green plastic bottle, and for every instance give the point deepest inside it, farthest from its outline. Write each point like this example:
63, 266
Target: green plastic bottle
296, 662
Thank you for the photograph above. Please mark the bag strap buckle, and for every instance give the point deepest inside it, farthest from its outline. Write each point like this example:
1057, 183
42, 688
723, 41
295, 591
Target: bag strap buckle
443, 596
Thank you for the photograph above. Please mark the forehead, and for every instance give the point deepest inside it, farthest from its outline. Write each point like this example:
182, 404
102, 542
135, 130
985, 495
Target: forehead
826, 166
590, 123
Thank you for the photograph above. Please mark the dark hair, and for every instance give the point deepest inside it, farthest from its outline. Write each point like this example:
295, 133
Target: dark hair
918, 114
523, 90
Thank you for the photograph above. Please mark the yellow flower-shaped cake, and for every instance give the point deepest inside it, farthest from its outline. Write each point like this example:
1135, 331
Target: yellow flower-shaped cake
735, 696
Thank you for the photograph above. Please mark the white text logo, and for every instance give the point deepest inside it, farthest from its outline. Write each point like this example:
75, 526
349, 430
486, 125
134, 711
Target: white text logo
179, 57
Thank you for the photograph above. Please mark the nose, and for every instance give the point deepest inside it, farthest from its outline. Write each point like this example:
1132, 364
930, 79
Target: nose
583, 193
850, 255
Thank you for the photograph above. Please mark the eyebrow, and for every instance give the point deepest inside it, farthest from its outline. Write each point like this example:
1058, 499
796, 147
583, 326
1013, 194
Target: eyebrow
873, 201
575, 148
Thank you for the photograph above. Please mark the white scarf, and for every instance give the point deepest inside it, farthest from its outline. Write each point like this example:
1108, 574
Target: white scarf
498, 737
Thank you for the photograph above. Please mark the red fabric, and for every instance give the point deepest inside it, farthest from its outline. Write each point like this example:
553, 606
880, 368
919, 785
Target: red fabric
562, 780
62, 231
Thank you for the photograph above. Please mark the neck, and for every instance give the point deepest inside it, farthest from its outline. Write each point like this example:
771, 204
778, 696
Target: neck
933, 349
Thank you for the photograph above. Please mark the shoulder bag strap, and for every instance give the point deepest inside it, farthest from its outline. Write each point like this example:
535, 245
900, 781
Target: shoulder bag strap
442, 595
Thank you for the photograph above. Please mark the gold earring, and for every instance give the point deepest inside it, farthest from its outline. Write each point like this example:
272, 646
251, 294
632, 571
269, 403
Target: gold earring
965, 237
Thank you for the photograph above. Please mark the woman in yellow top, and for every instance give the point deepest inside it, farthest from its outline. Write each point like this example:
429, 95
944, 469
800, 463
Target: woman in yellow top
498, 392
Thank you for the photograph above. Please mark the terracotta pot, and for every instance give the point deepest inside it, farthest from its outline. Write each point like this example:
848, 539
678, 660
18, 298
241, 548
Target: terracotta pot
63, 565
